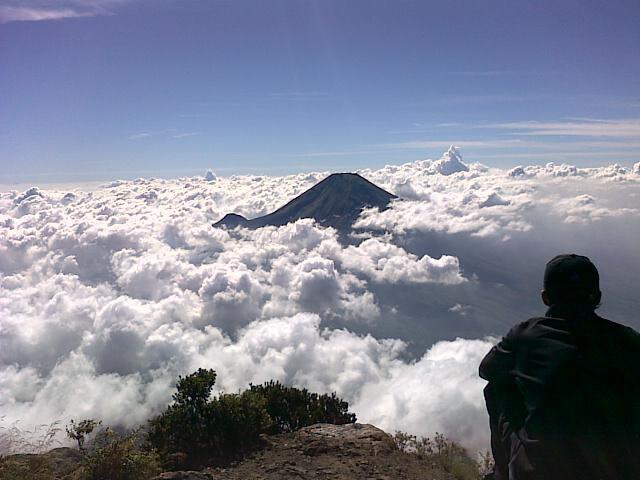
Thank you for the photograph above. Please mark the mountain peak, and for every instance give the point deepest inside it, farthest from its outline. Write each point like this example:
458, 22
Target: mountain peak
335, 201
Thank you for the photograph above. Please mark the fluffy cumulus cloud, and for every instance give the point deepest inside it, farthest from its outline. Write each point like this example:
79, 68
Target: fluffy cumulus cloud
106, 296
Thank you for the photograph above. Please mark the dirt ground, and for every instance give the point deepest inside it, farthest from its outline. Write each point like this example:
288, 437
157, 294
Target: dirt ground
331, 452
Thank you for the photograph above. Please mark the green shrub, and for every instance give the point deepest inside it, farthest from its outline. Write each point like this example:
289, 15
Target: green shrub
184, 426
204, 429
441, 453
292, 408
238, 419
193, 391
112, 456
80, 431
201, 430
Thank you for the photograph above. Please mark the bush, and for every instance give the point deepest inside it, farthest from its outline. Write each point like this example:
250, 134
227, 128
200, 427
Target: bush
208, 430
112, 456
204, 429
80, 431
441, 453
291, 408
183, 427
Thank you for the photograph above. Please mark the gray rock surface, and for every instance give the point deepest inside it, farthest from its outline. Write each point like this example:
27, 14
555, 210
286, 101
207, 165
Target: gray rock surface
190, 475
363, 437
323, 451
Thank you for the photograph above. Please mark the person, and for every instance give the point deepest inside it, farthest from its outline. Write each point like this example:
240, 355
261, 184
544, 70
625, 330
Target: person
563, 392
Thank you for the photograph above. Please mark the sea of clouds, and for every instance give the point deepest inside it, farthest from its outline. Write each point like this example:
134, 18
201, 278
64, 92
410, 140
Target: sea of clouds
106, 296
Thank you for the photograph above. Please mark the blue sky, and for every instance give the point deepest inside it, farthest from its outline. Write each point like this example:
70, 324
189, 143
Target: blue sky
102, 89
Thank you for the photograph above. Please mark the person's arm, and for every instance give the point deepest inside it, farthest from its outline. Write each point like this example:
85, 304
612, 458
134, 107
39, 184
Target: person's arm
500, 361
496, 367
500, 446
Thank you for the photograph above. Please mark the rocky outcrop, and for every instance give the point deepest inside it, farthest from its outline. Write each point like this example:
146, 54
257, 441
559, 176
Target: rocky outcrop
57, 463
324, 438
190, 475
323, 451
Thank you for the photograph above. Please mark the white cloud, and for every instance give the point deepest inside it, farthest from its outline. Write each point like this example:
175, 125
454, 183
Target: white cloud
582, 127
461, 309
386, 262
441, 392
139, 136
187, 134
26, 14
43, 10
451, 162
107, 295
484, 202
585, 208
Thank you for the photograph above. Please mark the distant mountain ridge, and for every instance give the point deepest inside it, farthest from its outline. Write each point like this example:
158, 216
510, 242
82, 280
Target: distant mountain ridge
335, 201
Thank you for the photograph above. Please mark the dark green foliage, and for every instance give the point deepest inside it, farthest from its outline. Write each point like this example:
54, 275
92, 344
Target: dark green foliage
193, 391
205, 430
184, 427
237, 419
292, 408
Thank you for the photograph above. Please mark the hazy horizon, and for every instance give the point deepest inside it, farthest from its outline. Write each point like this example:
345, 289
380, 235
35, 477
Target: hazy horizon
91, 88
92, 181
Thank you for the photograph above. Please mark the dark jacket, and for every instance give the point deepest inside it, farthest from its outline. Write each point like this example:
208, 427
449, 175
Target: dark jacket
564, 398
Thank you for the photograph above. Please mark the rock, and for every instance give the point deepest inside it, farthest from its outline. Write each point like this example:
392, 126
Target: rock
186, 475
317, 452
356, 437
59, 462
64, 460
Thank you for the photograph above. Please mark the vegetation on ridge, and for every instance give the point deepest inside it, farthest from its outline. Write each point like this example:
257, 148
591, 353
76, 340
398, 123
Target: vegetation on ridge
199, 430
206, 430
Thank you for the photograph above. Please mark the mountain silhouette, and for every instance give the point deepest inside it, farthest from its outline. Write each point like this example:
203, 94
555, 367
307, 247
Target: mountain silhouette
335, 201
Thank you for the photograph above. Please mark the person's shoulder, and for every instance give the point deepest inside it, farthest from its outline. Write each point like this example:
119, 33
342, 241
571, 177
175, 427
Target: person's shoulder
620, 332
536, 326
622, 344
519, 329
